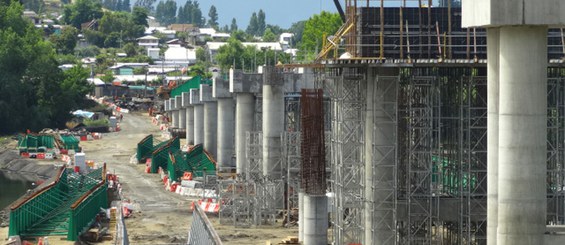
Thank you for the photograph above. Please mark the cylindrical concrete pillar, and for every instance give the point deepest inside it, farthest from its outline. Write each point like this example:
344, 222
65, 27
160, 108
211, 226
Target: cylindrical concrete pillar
226, 128
273, 126
182, 118
190, 125
198, 124
379, 162
493, 48
315, 220
301, 216
522, 138
175, 118
245, 114
211, 127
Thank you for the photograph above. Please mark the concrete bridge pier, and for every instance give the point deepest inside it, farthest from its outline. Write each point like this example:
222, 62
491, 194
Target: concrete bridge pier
226, 124
210, 119
244, 86
198, 116
521, 30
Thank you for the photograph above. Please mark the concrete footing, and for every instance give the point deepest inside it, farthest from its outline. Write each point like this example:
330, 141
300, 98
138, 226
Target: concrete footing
315, 220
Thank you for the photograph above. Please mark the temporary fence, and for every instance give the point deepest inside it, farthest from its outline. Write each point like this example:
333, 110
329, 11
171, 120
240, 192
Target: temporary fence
201, 230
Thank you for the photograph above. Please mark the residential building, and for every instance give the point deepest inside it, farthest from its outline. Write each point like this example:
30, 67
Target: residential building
148, 42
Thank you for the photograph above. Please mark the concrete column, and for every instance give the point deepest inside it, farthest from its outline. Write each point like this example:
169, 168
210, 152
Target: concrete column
190, 125
273, 122
301, 216
379, 161
226, 128
198, 124
315, 220
182, 112
245, 114
226, 124
369, 172
174, 113
210, 119
493, 48
244, 86
197, 117
522, 127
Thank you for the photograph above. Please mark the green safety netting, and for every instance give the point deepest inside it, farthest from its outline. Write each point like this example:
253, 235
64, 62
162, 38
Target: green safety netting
197, 161
190, 84
65, 207
160, 155
70, 142
144, 148
450, 176
35, 143
200, 161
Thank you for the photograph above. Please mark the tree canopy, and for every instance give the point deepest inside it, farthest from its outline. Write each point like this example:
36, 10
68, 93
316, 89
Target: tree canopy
34, 92
213, 17
82, 11
315, 28
165, 12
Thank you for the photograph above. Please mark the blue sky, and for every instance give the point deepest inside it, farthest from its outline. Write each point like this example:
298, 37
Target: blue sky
278, 12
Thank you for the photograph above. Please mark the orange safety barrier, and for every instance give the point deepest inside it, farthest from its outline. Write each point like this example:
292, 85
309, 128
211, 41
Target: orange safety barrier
40, 156
174, 187
24, 154
187, 176
208, 205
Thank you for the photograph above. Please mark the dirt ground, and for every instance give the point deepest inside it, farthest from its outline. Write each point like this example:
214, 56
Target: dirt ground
160, 217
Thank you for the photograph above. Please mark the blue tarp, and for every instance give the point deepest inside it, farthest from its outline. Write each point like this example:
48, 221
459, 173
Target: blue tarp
81, 113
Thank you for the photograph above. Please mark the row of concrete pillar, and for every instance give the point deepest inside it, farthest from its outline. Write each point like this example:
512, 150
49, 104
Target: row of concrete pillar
219, 117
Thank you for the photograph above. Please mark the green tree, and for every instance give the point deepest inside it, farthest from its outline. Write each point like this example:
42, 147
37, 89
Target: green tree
196, 14
146, 4
66, 42
130, 49
261, 25
126, 6
139, 16
166, 12
241, 36
315, 28
35, 5
33, 94
81, 11
233, 26
213, 17
230, 54
297, 29
253, 24
269, 36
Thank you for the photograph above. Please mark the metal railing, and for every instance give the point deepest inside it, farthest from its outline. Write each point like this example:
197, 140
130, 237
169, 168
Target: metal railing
202, 231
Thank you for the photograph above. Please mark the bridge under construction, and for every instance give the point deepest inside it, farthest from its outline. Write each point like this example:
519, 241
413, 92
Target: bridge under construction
401, 153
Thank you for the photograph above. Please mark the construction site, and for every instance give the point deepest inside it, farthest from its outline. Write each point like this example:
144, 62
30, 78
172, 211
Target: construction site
418, 123
383, 140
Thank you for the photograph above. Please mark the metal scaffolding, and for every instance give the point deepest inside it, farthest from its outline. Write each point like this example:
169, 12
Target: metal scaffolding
346, 87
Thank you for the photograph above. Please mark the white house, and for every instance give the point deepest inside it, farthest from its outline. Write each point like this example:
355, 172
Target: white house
148, 42
179, 56
285, 39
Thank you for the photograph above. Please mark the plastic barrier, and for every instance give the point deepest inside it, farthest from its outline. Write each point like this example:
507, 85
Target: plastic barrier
208, 205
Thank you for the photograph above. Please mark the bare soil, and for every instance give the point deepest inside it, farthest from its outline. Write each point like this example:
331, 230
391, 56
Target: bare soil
160, 217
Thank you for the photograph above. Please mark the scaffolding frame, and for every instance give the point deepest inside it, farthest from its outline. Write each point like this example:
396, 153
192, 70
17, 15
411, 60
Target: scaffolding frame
385, 118
556, 147
346, 87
